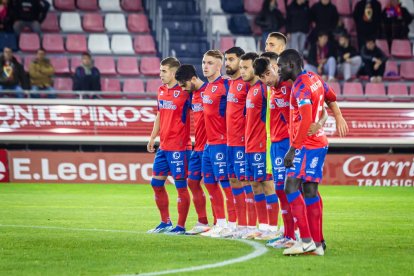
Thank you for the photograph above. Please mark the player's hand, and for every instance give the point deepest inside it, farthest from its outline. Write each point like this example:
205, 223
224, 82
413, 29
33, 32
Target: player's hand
151, 145
314, 127
290, 155
341, 126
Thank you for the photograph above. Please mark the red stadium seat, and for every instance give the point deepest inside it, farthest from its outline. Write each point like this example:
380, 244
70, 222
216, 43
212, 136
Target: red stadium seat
352, 91
29, 42
93, 22
61, 64
281, 6
253, 6
51, 23
150, 66
133, 85
144, 44
131, 5
89, 5
153, 85
128, 66
63, 84
376, 92
64, 5
53, 43
111, 85
106, 65
336, 87
343, 6
76, 43
407, 71
391, 71
74, 62
138, 23
383, 45
226, 42
401, 48
398, 92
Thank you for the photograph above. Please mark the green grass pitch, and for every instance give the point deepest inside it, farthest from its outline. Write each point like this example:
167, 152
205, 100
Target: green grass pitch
42, 232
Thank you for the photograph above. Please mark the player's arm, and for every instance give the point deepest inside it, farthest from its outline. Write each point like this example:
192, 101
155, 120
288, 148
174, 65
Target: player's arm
318, 125
154, 134
341, 124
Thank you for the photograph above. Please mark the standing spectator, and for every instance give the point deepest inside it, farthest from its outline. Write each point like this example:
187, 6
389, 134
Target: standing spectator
270, 19
395, 21
321, 58
374, 60
347, 58
325, 16
5, 16
41, 72
26, 14
87, 77
297, 24
367, 17
12, 74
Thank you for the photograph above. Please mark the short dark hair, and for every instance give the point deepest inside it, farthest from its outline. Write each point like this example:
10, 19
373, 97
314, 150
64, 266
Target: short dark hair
235, 50
249, 56
370, 38
172, 62
279, 36
270, 55
322, 33
260, 65
292, 56
185, 73
86, 54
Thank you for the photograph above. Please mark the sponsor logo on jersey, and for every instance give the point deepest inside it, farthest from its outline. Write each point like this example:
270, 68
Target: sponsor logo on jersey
176, 93
239, 87
232, 98
207, 100
255, 92
257, 157
176, 155
219, 156
278, 161
239, 155
163, 104
197, 107
281, 103
314, 162
214, 88
249, 104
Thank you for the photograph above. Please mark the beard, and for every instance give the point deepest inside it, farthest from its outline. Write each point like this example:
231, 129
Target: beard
230, 71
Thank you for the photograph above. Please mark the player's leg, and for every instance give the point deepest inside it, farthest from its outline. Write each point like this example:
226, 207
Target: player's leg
250, 206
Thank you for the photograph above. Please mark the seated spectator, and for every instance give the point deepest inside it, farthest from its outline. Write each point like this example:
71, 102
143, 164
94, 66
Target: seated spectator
297, 24
373, 61
87, 77
325, 16
44, 9
5, 17
321, 58
367, 16
347, 58
26, 14
12, 74
41, 72
270, 19
395, 21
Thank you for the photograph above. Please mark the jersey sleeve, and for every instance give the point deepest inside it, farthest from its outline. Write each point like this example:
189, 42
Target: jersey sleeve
330, 95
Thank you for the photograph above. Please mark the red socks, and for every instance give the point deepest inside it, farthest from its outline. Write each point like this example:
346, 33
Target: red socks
161, 199
261, 208
183, 205
314, 212
240, 199
199, 200
297, 205
231, 208
272, 206
250, 206
217, 200
287, 217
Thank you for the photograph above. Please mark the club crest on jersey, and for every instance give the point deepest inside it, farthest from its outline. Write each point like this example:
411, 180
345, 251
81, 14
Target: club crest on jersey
283, 90
202, 94
176, 93
214, 88
255, 92
239, 87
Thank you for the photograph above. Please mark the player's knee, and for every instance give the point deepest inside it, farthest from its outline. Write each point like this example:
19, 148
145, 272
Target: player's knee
269, 187
310, 189
292, 185
235, 183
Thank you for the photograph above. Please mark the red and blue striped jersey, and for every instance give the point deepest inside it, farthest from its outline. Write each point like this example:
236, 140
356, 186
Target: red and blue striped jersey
279, 102
198, 116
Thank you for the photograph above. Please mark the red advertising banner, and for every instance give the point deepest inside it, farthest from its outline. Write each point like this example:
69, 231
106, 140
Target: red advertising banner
136, 168
4, 166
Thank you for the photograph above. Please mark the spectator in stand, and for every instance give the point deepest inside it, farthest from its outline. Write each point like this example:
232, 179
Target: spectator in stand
12, 74
297, 24
395, 21
5, 17
349, 62
321, 58
41, 72
325, 16
373, 60
26, 13
367, 17
270, 19
44, 9
87, 77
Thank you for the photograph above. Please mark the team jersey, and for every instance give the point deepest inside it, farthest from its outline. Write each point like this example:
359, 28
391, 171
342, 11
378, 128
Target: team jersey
256, 104
236, 112
214, 104
279, 111
308, 89
198, 116
174, 106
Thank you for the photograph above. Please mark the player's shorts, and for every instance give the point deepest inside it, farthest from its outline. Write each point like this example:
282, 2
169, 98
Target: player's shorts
256, 167
172, 163
214, 164
278, 151
236, 162
194, 165
308, 164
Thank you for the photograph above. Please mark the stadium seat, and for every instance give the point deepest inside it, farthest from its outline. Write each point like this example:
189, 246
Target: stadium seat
138, 23
226, 42
150, 66
214, 6
234, 6
131, 5
128, 66
122, 44
63, 84
189, 49
144, 44
336, 87
179, 7
239, 25
153, 85
391, 71
398, 92
64, 5
343, 7
383, 45
89, 5
93, 22
376, 92
70, 22
99, 44
220, 25
29, 42
352, 91
115, 22
74, 62
111, 85
407, 71
60, 64
109, 5
76, 43
106, 65
247, 43
8, 40
133, 85
51, 23
253, 6
53, 43
401, 48
185, 27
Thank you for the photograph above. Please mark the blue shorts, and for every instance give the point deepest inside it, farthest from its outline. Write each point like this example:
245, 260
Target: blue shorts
214, 164
256, 167
194, 165
236, 162
278, 151
308, 164
172, 163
